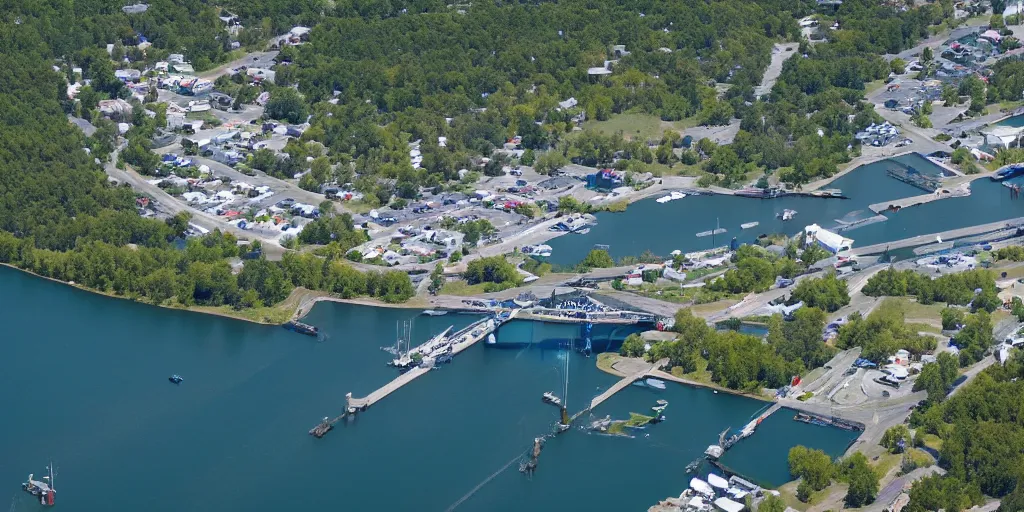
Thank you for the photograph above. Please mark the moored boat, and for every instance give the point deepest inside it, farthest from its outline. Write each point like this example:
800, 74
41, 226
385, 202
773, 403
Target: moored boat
655, 383
748, 225
787, 214
302, 328
44, 489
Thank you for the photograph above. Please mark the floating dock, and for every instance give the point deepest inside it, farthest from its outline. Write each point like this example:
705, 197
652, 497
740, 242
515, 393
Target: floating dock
619, 386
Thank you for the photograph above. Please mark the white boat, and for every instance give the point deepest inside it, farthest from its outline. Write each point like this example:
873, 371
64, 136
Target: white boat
748, 225
491, 340
550, 398
434, 312
671, 197
727, 505
655, 383
787, 214
541, 250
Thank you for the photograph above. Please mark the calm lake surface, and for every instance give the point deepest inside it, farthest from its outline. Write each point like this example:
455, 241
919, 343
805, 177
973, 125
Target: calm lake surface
663, 228
83, 380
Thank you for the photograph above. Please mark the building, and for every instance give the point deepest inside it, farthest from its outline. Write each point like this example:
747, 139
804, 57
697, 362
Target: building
832, 242
135, 9
128, 75
118, 108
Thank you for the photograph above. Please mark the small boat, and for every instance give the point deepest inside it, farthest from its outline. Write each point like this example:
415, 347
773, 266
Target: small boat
302, 328
748, 225
434, 312
176, 379
671, 197
655, 383
491, 340
550, 398
662, 404
43, 489
542, 250
787, 214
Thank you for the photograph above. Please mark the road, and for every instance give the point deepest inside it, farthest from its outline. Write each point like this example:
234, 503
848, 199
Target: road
169, 205
252, 60
780, 52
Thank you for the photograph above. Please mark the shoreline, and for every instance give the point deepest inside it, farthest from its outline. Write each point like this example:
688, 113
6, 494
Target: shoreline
668, 376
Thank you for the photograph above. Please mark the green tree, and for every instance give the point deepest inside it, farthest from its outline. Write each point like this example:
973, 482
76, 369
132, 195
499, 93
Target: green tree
287, 105
597, 258
633, 346
814, 466
772, 503
437, 278
862, 479
893, 435
828, 293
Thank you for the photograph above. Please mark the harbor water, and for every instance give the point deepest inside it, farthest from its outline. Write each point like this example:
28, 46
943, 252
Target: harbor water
663, 228
90, 391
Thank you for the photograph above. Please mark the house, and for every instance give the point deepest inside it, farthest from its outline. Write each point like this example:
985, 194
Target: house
128, 75
135, 9
118, 108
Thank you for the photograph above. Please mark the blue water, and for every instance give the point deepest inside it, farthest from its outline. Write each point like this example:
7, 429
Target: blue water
91, 391
662, 228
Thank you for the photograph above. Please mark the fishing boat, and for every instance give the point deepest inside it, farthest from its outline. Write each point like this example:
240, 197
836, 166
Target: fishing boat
671, 197
176, 379
748, 225
43, 489
787, 214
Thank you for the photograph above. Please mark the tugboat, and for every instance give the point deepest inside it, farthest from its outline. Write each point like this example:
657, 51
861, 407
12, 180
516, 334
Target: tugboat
302, 328
43, 489
176, 379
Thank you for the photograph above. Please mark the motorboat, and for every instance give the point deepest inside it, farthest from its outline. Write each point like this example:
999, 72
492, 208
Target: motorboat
748, 225
176, 379
671, 197
787, 214
655, 383
541, 250
550, 398
435, 312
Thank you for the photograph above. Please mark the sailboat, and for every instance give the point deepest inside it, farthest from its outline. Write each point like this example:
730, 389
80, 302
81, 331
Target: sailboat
43, 489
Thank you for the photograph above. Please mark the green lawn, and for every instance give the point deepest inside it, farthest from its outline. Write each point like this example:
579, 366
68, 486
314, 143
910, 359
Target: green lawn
638, 126
462, 288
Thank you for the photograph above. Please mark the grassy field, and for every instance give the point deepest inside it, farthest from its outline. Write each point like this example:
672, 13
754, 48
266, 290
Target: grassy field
277, 314
462, 288
638, 126
712, 307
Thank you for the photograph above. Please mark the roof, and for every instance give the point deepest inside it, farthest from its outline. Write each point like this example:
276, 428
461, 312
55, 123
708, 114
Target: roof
833, 240
729, 505
717, 481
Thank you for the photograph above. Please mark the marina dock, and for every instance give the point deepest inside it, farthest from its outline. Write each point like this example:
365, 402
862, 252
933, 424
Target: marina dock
457, 342
945, 235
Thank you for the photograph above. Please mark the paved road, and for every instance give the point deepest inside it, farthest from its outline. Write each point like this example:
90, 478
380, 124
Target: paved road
780, 52
252, 60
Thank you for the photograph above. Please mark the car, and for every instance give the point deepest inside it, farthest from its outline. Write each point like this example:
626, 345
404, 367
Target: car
256, 58
286, 203
520, 183
516, 172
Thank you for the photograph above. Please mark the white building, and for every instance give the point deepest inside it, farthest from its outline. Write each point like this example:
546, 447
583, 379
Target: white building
830, 241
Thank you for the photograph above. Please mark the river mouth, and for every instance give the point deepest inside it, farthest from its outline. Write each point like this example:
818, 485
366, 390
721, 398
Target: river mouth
662, 228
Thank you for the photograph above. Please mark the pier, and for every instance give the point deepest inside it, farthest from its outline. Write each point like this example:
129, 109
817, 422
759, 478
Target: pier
457, 342
927, 239
619, 386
